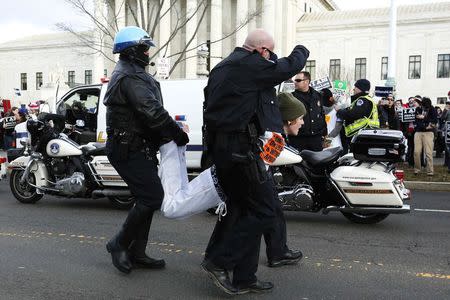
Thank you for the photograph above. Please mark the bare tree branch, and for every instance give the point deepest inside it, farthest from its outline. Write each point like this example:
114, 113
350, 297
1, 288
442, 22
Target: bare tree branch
148, 16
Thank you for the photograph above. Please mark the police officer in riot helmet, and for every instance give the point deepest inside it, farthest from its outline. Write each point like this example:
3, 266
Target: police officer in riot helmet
137, 124
361, 114
239, 99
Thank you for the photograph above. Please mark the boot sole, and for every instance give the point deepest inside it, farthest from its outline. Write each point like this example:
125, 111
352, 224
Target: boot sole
286, 262
118, 267
217, 282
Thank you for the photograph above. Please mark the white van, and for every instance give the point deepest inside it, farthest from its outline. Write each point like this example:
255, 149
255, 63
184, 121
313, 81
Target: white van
182, 98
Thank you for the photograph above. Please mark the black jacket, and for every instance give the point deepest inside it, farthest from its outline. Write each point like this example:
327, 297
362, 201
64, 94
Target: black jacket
134, 104
362, 108
240, 90
421, 125
315, 117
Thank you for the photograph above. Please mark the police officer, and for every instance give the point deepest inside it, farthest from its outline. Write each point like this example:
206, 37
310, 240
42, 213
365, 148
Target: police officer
312, 133
238, 96
362, 113
137, 124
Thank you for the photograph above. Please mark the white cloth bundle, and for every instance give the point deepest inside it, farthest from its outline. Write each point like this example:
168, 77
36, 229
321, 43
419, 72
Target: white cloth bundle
181, 197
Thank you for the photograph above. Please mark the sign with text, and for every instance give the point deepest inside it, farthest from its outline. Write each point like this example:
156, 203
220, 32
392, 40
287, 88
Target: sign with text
163, 67
383, 91
320, 84
447, 132
340, 85
408, 114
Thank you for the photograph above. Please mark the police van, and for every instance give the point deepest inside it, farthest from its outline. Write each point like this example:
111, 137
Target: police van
84, 109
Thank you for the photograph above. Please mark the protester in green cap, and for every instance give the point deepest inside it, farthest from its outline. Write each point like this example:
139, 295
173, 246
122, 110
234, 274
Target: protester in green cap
292, 112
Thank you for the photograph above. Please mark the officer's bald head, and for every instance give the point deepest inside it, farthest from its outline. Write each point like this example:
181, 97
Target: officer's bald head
257, 39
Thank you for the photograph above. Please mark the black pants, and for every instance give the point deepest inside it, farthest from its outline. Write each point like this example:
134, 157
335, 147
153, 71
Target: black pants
275, 237
313, 142
141, 175
235, 242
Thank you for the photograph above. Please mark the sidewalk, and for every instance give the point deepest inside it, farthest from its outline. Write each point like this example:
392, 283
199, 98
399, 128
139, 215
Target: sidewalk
430, 186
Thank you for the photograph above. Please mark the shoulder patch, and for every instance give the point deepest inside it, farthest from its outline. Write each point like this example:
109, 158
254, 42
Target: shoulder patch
360, 102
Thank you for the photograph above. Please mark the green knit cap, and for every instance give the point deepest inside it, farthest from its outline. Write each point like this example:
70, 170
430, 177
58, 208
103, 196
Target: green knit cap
290, 107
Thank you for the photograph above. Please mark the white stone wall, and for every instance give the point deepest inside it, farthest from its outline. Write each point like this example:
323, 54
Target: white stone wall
54, 62
428, 38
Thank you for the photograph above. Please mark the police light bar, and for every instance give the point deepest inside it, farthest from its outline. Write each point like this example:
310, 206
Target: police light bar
181, 118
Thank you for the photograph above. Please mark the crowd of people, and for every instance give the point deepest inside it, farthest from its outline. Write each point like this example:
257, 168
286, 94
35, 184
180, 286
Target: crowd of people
13, 128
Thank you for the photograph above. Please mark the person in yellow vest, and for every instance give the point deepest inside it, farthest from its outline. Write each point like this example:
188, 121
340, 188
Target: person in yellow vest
362, 113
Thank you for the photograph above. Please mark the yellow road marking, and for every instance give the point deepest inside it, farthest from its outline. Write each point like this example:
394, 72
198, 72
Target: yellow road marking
172, 248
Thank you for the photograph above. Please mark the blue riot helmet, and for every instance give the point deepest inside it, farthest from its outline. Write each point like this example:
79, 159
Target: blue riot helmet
131, 36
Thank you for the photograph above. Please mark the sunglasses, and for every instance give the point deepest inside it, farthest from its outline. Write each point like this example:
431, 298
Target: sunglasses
300, 80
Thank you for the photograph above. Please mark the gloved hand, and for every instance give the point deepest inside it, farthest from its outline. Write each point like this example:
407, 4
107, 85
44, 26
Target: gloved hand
181, 139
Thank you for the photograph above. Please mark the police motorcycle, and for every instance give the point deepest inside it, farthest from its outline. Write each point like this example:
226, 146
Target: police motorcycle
54, 164
363, 185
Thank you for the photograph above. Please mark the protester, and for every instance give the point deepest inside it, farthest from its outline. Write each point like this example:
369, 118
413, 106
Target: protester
277, 251
9, 122
312, 133
328, 100
387, 115
439, 143
426, 120
137, 124
444, 119
233, 121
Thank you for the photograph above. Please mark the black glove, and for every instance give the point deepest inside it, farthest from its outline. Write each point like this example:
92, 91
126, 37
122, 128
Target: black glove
181, 139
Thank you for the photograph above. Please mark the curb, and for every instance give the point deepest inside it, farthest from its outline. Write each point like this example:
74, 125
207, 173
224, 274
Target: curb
428, 186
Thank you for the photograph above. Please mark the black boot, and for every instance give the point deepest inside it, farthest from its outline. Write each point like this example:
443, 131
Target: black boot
139, 259
137, 249
119, 253
119, 244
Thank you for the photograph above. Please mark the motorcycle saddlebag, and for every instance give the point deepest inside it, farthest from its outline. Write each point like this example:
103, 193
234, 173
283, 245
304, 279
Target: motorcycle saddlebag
379, 145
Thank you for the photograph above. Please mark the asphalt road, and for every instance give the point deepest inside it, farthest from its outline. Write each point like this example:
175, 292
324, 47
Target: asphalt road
55, 249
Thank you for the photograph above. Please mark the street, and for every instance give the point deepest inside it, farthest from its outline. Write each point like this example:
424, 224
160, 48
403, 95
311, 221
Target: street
55, 249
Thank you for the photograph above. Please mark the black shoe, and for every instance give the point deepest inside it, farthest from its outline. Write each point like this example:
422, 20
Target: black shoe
147, 262
257, 287
220, 277
119, 256
289, 258
139, 259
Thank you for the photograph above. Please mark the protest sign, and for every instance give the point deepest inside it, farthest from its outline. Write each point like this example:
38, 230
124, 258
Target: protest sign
383, 91
340, 85
408, 114
320, 84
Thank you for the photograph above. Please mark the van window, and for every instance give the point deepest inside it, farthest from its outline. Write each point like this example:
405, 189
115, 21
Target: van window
80, 108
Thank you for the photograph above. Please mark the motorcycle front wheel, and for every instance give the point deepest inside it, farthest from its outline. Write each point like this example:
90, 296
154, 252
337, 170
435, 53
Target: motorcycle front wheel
122, 202
362, 218
23, 192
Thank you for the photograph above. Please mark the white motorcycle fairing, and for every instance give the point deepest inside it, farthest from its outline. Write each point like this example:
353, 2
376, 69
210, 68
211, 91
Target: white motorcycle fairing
62, 148
38, 168
367, 184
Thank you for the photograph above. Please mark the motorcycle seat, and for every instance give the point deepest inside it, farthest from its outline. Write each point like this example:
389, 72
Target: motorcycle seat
321, 158
93, 149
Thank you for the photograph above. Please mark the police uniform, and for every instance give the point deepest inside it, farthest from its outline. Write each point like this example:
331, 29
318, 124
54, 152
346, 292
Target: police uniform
239, 97
137, 124
314, 128
363, 113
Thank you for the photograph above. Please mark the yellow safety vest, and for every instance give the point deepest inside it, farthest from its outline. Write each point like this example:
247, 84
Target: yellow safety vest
372, 121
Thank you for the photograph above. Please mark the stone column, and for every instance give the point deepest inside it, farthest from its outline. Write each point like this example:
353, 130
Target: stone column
191, 63
216, 32
164, 29
241, 16
268, 18
99, 60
